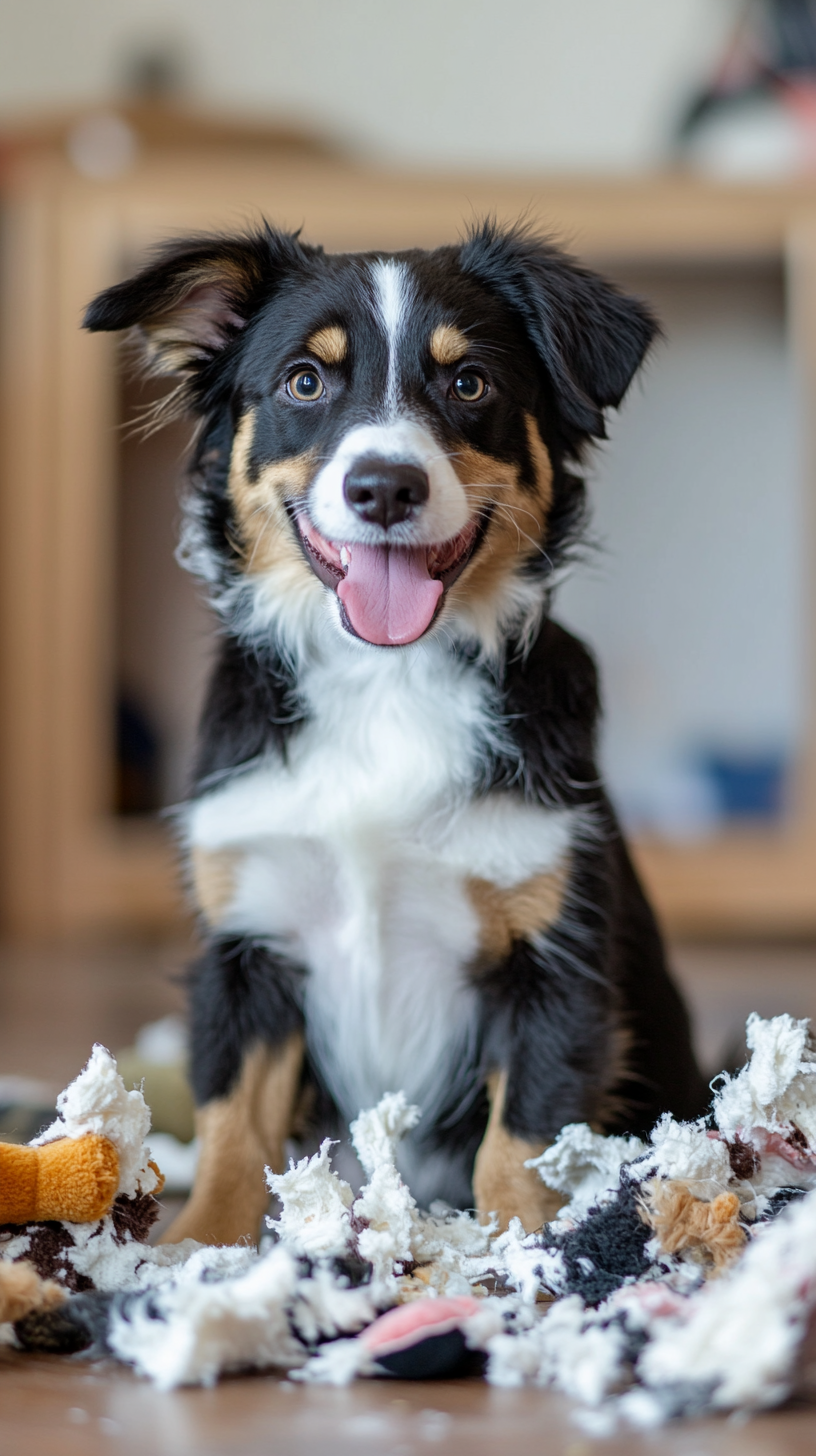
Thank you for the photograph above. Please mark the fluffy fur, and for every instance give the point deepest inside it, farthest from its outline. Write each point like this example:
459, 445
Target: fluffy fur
397, 836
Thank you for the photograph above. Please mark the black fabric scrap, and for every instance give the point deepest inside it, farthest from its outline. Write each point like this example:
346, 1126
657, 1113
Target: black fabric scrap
79, 1324
607, 1248
779, 1201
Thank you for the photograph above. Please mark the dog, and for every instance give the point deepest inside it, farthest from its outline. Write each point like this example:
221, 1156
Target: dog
406, 866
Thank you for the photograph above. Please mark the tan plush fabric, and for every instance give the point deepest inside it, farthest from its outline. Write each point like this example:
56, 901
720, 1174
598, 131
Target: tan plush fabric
682, 1221
22, 1290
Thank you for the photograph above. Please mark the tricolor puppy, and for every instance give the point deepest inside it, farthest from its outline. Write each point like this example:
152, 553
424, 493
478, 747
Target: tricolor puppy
409, 873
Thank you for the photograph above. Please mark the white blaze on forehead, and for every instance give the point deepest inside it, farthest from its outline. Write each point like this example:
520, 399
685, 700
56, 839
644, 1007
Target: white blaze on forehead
393, 292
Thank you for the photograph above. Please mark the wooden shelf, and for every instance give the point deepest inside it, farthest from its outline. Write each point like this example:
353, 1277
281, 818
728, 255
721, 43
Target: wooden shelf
747, 883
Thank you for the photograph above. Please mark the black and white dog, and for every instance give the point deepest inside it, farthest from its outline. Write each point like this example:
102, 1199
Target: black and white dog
407, 867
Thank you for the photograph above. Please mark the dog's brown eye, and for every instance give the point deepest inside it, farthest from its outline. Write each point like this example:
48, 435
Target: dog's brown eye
305, 384
469, 386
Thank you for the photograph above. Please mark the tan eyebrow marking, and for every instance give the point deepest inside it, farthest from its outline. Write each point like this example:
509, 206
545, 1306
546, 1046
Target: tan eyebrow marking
329, 344
448, 344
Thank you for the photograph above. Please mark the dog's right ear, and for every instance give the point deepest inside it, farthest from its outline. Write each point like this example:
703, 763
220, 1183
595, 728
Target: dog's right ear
196, 296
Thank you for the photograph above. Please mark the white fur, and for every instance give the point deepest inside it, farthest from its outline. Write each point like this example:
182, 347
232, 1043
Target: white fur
501, 838
353, 856
445, 514
393, 294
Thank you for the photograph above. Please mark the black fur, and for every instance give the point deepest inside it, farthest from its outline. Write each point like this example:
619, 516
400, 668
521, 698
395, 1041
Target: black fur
241, 993
250, 709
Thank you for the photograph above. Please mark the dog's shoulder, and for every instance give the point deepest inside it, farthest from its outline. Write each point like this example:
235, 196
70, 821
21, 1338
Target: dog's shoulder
557, 675
551, 707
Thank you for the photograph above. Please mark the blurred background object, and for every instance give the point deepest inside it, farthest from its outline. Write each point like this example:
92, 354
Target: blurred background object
757, 117
535, 85
671, 144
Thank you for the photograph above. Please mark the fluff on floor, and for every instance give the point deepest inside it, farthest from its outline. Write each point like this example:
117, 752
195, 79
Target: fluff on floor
679, 1276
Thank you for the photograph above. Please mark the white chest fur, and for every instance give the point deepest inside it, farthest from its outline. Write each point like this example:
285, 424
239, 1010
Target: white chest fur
353, 857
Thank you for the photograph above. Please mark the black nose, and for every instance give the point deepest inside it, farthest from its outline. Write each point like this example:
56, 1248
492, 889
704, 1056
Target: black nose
385, 492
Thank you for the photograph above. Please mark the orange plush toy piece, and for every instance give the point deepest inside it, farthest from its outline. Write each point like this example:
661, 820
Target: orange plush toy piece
74, 1179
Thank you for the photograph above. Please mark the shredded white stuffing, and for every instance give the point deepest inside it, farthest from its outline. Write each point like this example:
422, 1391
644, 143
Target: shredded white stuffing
396, 1231
211, 1319
775, 1089
98, 1101
315, 1205
208, 1327
573, 1349
377, 1132
528, 1268
337, 1363
585, 1164
666, 1344
111, 1264
16, 1247
449, 1234
684, 1150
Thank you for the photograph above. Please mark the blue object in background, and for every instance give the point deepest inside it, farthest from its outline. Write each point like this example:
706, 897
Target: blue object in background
747, 785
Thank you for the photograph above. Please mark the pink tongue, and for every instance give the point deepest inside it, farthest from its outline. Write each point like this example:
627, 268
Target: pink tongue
388, 594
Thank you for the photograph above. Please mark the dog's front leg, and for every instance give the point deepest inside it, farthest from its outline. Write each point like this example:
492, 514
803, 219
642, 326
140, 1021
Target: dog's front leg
552, 1034
240, 1134
501, 1183
246, 1061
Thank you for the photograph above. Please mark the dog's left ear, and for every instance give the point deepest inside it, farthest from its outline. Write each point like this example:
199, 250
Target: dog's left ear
590, 336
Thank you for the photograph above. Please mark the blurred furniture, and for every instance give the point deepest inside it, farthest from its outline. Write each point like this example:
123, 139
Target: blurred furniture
78, 208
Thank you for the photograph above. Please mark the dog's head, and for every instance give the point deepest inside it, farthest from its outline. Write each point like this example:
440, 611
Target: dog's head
385, 435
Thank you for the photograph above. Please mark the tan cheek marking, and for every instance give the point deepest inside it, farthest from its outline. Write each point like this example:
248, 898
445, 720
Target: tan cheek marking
266, 540
541, 461
519, 516
517, 913
329, 345
501, 1183
214, 874
448, 344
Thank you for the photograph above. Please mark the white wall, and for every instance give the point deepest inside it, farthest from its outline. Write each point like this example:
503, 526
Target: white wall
695, 601
576, 84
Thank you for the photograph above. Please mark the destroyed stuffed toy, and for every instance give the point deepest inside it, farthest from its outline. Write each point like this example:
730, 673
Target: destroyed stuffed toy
79, 1202
70, 1178
678, 1277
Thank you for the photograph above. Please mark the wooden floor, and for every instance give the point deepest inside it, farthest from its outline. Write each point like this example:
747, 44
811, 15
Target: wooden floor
56, 1002
50, 1407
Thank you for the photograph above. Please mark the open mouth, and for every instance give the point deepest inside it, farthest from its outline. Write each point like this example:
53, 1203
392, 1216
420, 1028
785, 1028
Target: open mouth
389, 595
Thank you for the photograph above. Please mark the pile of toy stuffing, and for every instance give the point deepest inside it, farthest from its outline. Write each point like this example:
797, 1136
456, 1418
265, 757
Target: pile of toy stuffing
679, 1277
